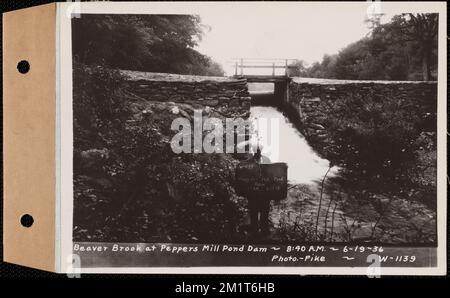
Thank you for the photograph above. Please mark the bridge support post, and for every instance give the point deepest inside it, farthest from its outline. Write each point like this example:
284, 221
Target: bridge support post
286, 96
286, 67
280, 92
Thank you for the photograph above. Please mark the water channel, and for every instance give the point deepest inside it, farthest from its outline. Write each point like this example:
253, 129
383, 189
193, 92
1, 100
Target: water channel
282, 142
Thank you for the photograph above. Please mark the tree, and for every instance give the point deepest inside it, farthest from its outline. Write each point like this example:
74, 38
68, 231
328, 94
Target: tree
374, 20
418, 32
297, 69
403, 49
214, 69
154, 43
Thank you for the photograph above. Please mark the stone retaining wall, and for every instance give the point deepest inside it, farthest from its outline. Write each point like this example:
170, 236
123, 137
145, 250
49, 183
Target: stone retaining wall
311, 100
226, 95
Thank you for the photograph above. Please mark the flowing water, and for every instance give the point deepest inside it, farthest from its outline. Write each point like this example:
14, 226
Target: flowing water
282, 142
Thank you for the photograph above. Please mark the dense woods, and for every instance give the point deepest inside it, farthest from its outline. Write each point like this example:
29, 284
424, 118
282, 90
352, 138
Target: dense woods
403, 49
153, 43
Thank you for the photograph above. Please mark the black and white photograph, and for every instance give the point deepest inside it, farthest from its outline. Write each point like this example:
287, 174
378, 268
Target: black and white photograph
300, 136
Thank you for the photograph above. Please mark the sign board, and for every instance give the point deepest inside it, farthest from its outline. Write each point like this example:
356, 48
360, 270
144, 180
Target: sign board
262, 180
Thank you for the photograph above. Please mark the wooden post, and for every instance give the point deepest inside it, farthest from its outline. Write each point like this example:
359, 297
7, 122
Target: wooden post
273, 69
242, 67
235, 68
286, 68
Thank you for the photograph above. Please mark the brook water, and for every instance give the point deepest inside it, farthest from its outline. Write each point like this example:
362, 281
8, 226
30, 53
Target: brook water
282, 142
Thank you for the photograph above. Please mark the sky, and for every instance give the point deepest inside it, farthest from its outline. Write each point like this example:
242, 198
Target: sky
287, 32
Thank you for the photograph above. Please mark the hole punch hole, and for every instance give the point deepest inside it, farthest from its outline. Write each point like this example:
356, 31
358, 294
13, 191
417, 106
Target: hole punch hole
27, 220
23, 66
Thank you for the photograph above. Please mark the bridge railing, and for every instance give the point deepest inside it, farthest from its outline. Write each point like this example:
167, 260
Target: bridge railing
240, 64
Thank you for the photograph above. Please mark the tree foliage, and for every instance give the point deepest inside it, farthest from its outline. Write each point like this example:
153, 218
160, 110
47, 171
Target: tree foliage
417, 33
154, 43
403, 49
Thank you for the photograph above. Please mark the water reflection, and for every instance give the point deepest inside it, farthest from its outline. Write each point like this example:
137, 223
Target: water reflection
282, 142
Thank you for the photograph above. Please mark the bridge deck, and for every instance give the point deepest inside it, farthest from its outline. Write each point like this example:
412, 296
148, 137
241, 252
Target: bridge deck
264, 78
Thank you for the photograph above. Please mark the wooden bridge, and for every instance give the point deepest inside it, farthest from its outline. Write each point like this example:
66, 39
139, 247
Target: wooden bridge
278, 76
273, 65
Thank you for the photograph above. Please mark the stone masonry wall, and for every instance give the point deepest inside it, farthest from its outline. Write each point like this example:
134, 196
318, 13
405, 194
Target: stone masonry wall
310, 100
227, 96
